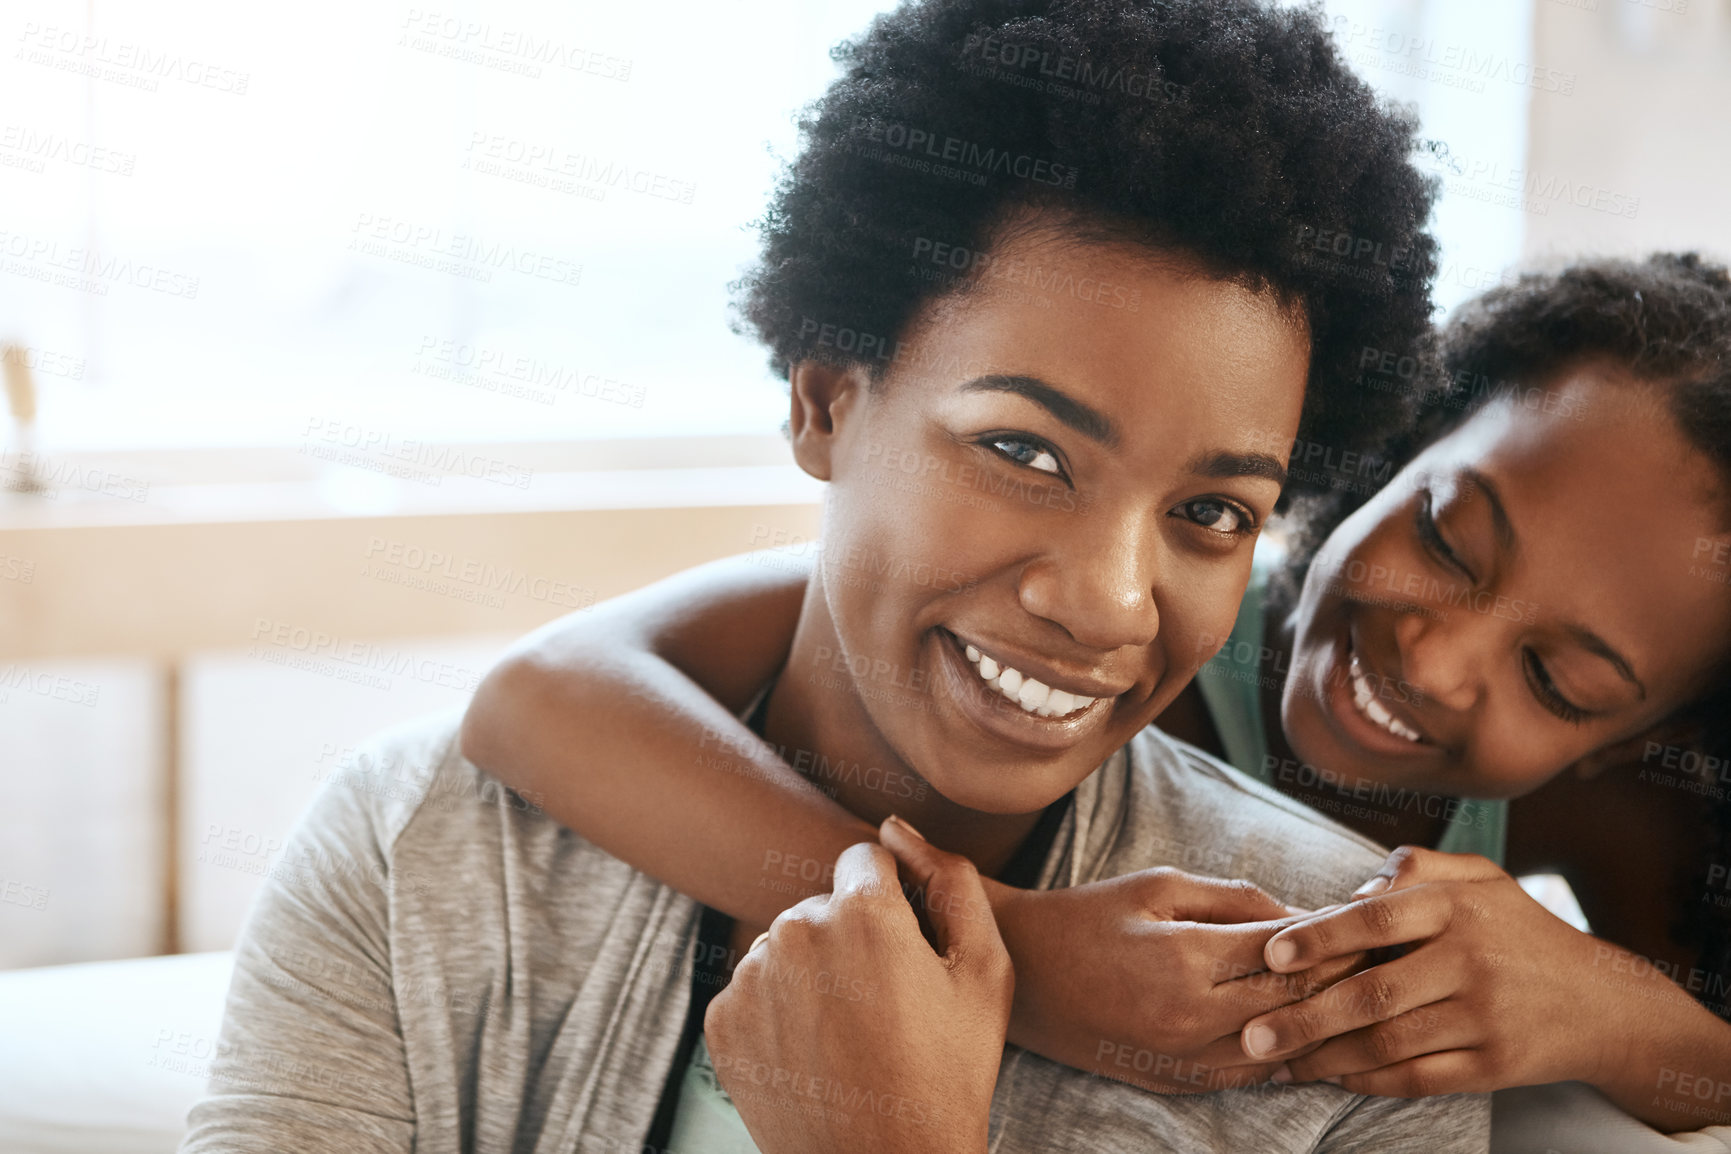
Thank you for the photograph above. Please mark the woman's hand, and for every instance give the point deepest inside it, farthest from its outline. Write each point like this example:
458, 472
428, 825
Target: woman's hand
1148, 978
845, 1031
1495, 991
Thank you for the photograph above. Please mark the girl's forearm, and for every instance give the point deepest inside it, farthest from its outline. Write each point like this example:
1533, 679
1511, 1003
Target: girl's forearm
1667, 1058
641, 761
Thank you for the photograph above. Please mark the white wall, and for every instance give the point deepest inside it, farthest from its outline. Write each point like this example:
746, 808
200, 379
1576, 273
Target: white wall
81, 852
1648, 131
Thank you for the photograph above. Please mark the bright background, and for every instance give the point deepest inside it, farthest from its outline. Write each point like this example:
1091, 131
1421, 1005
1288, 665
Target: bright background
660, 451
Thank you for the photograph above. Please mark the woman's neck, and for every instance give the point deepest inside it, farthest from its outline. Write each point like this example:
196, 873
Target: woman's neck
817, 718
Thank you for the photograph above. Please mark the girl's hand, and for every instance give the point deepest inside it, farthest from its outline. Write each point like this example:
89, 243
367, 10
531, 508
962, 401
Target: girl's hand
1495, 990
1147, 978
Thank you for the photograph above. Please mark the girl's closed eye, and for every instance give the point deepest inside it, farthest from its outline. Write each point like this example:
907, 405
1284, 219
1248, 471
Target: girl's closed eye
1424, 521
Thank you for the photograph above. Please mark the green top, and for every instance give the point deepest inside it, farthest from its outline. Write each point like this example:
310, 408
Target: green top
1231, 687
707, 1121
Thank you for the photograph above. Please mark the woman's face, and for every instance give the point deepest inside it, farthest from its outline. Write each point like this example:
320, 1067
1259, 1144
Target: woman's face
1527, 591
1046, 509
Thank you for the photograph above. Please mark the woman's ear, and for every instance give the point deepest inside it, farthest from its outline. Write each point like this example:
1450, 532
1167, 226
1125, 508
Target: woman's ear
822, 396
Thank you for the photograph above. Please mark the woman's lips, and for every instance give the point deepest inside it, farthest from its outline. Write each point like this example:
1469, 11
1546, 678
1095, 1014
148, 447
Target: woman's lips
1029, 692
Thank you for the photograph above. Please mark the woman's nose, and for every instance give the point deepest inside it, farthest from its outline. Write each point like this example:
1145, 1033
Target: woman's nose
1098, 586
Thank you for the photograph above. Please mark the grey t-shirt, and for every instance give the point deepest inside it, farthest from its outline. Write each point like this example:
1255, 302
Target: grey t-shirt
437, 966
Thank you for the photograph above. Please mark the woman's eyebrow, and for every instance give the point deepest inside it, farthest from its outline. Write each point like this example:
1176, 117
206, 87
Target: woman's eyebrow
1091, 423
1223, 463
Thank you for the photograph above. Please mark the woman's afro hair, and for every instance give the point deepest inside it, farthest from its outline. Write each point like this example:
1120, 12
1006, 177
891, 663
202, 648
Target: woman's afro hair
1229, 132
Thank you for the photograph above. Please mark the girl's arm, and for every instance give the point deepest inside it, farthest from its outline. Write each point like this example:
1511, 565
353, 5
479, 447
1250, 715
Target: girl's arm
621, 723
1495, 991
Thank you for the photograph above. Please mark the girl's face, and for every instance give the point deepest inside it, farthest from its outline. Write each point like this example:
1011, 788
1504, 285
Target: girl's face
1536, 586
1045, 506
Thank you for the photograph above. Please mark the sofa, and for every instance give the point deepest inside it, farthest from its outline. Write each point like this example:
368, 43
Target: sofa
106, 1057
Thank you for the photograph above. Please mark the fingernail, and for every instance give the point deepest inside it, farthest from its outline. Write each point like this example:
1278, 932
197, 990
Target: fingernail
1334, 1081
1281, 953
905, 825
1258, 1040
1282, 1074
1374, 886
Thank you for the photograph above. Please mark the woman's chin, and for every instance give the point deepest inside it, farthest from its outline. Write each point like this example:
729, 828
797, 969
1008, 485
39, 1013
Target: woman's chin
998, 789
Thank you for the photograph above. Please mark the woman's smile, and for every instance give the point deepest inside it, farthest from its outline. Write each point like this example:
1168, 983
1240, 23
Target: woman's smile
1021, 695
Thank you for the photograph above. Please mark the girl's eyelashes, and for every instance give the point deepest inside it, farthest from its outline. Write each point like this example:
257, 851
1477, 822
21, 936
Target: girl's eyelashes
1547, 692
1218, 515
1544, 689
1424, 521
1028, 451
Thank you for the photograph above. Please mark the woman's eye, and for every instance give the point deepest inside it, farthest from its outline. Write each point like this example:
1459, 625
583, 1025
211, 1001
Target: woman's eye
1215, 514
1030, 453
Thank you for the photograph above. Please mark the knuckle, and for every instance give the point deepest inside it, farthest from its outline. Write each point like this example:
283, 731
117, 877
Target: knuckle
1378, 916
957, 876
1300, 1023
798, 926
1378, 997
1419, 1082
1407, 858
1381, 1045
1184, 1024
1315, 940
809, 909
1247, 891
718, 1019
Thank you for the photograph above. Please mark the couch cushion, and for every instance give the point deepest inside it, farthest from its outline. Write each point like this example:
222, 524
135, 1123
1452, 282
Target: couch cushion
106, 1057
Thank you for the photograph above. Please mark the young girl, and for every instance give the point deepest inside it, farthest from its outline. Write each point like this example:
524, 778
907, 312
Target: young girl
1524, 596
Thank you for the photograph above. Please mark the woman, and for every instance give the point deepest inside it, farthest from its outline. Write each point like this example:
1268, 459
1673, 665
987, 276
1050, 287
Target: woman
1505, 608
1074, 417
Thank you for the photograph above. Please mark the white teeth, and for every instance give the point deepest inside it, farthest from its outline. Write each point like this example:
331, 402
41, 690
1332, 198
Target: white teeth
1034, 696
1364, 698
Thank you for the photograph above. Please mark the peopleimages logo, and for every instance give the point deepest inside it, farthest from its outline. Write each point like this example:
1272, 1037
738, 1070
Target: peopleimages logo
951, 150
